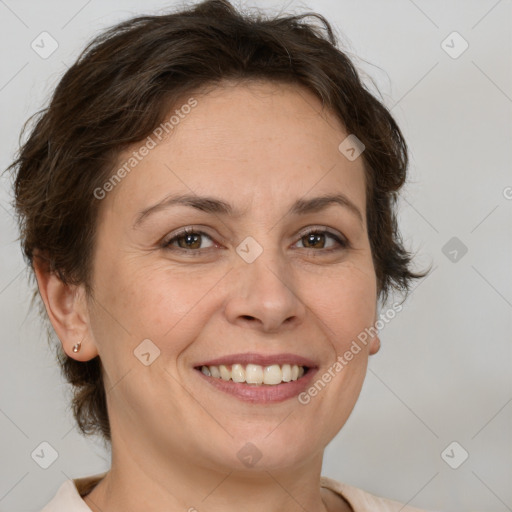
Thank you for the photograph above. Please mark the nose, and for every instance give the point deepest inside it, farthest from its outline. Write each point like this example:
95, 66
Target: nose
263, 295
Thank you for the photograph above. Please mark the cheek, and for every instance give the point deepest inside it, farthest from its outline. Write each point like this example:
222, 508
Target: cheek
157, 302
345, 303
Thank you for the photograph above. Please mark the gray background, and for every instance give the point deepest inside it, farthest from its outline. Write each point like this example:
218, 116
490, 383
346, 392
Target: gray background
443, 373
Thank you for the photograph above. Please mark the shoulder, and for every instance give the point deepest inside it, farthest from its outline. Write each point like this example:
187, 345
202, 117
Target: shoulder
362, 501
68, 497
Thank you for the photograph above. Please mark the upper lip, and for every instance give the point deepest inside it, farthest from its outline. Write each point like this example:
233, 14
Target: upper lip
260, 359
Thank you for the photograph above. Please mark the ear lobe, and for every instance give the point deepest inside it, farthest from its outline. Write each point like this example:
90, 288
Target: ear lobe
374, 345
67, 310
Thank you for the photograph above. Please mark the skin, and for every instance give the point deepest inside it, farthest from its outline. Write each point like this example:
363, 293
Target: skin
175, 438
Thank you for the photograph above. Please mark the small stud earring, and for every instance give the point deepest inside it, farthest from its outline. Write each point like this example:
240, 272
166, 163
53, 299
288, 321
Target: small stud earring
77, 347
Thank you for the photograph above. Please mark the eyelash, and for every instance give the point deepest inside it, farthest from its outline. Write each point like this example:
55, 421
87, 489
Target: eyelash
343, 243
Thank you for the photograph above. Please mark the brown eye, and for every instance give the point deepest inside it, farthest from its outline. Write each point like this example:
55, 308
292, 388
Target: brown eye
192, 241
187, 240
314, 240
319, 239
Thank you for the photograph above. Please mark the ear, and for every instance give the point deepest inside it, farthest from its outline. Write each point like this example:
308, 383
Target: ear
66, 306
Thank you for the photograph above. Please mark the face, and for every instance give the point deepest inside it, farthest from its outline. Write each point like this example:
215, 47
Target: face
250, 281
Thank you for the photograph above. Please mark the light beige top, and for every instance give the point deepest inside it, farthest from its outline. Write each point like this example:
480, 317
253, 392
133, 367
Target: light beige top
69, 497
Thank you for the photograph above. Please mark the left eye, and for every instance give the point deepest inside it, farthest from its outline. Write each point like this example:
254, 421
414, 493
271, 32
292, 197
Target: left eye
315, 237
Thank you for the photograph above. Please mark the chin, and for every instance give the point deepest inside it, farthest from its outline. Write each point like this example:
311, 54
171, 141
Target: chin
257, 450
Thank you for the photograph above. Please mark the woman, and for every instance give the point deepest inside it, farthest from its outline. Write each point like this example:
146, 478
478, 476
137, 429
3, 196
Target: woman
208, 208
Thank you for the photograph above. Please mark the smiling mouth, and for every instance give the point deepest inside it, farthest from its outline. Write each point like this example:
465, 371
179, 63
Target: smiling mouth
255, 374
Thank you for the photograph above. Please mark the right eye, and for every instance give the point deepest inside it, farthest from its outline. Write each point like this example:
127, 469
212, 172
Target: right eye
188, 239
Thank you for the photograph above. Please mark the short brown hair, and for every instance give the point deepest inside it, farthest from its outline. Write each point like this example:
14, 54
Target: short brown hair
119, 90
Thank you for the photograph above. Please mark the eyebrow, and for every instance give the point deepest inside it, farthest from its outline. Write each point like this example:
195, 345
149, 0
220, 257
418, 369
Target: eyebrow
218, 206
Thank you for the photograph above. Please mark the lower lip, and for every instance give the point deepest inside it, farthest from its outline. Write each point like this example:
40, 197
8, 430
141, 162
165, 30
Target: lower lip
263, 393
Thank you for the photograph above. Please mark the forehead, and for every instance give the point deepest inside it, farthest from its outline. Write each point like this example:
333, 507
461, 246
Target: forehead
245, 142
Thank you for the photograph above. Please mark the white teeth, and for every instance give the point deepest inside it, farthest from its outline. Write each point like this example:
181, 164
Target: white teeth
255, 374
224, 372
287, 373
238, 373
272, 374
